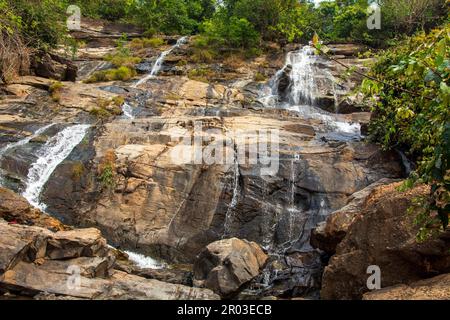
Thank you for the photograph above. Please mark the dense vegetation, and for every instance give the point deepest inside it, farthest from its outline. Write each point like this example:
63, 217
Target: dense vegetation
412, 113
235, 22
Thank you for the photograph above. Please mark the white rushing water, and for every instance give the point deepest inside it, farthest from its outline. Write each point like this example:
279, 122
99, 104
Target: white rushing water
22, 142
159, 62
50, 156
303, 93
128, 110
126, 107
303, 80
144, 262
234, 201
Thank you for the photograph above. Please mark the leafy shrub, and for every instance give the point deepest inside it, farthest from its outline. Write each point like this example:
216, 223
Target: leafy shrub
233, 32
119, 74
100, 113
200, 74
119, 60
412, 111
118, 101
55, 90
106, 170
259, 77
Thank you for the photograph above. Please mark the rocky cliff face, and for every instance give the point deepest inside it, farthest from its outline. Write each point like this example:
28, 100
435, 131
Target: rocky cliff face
128, 179
381, 233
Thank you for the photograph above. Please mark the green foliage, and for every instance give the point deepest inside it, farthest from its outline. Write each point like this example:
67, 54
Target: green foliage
118, 101
232, 32
107, 177
259, 77
41, 22
120, 74
143, 43
412, 111
200, 74
171, 16
106, 170
106, 9
55, 90
237, 23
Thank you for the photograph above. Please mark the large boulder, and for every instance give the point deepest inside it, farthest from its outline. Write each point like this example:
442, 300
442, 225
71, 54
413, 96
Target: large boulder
437, 288
225, 266
328, 234
384, 235
54, 67
16, 209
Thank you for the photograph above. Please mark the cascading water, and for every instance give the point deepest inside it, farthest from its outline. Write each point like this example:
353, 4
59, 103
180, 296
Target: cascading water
159, 62
144, 262
303, 93
22, 142
127, 108
50, 156
299, 87
292, 210
234, 201
303, 80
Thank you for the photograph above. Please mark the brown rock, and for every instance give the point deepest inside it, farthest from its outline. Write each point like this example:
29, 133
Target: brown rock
226, 265
330, 233
76, 243
74, 265
15, 208
437, 288
19, 243
384, 234
54, 67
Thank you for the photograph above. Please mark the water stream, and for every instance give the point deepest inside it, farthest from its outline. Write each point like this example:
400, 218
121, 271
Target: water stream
55, 151
159, 62
22, 142
127, 108
234, 201
303, 92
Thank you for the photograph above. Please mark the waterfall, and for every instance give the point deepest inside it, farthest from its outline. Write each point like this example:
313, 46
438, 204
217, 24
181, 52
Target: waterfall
127, 110
22, 142
292, 210
26, 140
159, 62
407, 164
126, 107
50, 156
303, 81
144, 262
234, 201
